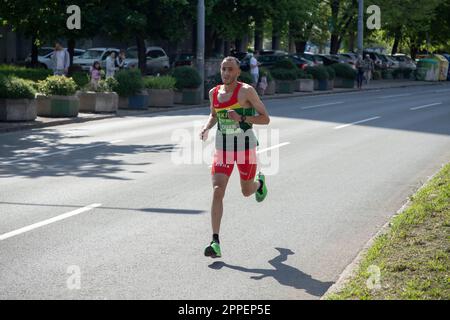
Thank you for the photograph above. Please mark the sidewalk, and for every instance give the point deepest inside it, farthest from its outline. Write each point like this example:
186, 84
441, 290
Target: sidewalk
41, 122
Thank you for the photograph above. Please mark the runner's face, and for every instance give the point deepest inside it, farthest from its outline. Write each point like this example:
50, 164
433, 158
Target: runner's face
229, 72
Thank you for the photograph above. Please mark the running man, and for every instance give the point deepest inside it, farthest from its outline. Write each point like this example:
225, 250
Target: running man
233, 107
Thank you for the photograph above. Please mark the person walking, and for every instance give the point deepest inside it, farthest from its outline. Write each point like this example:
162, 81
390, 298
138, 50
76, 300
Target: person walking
95, 75
111, 65
368, 68
120, 60
233, 107
61, 60
360, 67
254, 69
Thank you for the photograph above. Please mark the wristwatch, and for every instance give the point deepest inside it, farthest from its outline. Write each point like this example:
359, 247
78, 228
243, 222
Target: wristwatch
243, 118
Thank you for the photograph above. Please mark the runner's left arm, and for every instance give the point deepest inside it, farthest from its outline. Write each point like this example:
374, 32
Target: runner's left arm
255, 101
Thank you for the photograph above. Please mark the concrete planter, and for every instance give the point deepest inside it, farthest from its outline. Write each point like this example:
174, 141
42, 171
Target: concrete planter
18, 109
320, 85
123, 102
57, 106
138, 101
107, 102
344, 83
191, 96
285, 86
160, 98
271, 88
87, 100
330, 84
177, 97
305, 85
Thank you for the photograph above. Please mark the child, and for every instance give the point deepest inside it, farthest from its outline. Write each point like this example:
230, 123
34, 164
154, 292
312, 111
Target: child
95, 75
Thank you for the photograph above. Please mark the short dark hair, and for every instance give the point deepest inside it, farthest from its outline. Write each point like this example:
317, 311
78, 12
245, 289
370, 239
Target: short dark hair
231, 58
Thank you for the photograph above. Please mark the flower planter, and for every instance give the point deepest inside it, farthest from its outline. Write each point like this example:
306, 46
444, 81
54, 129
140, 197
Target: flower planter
87, 100
177, 97
107, 102
344, 83
191, 96
271, 88
123, 102
305, 85
138, 101
17, 109
330, 84
160, 97
285, 86
57, 106
321, 85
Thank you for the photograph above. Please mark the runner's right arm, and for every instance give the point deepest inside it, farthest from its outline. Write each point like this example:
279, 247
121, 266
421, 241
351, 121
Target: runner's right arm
212, 120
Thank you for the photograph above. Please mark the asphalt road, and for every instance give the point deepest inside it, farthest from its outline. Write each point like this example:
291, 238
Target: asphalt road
106, 209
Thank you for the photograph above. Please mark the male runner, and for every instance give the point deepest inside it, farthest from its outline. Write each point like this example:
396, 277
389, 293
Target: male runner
233, 106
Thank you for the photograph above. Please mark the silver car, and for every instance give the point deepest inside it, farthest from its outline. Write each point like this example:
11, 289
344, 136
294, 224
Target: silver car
157, 60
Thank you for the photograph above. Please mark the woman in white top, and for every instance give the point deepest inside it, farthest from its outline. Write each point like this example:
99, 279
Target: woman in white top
111, 65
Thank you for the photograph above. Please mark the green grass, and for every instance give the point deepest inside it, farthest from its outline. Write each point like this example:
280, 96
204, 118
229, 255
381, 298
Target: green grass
413, 255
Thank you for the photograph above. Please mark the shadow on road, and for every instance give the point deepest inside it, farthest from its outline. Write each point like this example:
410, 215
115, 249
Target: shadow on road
285, 274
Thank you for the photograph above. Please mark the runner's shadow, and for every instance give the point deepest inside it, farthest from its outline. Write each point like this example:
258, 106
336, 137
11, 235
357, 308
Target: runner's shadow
283, 273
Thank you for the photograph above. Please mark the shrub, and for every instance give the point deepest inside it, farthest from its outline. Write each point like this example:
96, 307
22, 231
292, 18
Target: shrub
344, 70
397, 73
376, 75
407, 72
25, 73
246, 78
107, 85
386, 74
285, 64
81, 79
301, 74
264, 72
57, 85
284, 74
164, 82
318, 72
129, 82
331, 72
186, 78
12, 87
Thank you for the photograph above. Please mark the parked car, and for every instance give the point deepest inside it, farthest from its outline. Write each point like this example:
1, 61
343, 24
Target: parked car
300, 62
378, 61
349, 58
184, 59
310, 57
390, 62
268, 60
45, 56
404, 61
157, 59
94, 54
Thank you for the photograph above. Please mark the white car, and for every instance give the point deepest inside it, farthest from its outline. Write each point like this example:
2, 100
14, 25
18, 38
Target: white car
87, 59
45, 56
157, 60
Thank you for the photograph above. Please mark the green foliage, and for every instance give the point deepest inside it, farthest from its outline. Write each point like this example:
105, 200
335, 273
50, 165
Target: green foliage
57, 85
164, 82
129, 82
25, 73
107, 85
301, 74
331, 72
284, 74
318, 72
285, 64
265, 72
81, 79
186, 78
376, 75
12, 87
344, 70
246, 78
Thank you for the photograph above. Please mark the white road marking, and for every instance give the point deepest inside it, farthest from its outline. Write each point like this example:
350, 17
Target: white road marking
353, 123
59, 152
395, 96
322, 105
269, 148
48, 221
426, 106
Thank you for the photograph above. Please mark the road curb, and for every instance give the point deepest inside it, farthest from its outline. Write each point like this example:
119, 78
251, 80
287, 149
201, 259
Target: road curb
353, 267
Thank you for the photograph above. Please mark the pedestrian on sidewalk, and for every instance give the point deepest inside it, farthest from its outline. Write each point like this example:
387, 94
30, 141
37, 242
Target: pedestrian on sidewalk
254, 69
360, 67
95, 75
369, 68
61, 60
111, 65
120, 60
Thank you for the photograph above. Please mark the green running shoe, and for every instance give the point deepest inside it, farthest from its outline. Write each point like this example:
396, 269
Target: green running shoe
213, 250
261, 193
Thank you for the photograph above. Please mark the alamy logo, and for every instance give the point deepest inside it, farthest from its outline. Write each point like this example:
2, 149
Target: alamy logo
374, 21
74, 20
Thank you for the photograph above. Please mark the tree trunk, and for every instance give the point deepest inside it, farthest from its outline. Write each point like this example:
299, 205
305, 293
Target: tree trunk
140, 42
351, 42
334, 44
275, 39
300, 46
71, 50
34, 52
259, 34
226, 48
209, 41
397, 38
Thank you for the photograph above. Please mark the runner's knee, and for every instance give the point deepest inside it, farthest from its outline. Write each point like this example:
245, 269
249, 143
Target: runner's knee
219, 192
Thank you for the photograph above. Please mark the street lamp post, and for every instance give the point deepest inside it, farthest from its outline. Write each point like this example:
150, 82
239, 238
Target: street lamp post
360, 26
201, 42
